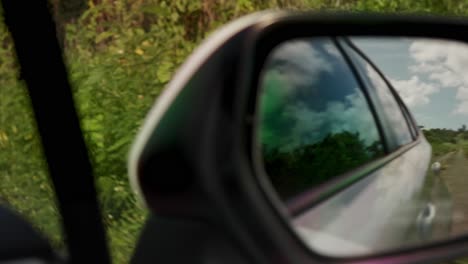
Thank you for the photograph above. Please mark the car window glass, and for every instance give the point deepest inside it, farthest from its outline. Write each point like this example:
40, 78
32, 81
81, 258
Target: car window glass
315, 123
411, 123
24, 182
387, 102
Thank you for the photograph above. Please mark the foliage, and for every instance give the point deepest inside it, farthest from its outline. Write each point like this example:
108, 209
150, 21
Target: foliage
439, 7
437, 135
120, 54
294, 171
462, 128
442, 140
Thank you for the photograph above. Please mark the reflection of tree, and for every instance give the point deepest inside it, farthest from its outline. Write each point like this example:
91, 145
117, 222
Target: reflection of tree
462, 128
294, 171
439, 136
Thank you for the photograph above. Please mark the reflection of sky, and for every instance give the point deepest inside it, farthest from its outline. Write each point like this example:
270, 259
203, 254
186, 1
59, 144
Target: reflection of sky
304, 101
386, 101
428, 74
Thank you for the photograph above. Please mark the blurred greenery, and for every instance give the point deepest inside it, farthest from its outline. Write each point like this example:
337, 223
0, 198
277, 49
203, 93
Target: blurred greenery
442, 141
295, 171
121, 54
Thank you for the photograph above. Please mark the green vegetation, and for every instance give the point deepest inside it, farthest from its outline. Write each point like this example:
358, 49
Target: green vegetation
120, 55
445, 140
442, 140
292, 172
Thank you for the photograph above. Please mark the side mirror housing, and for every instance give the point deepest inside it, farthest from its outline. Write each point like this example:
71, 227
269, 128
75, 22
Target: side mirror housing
198, 154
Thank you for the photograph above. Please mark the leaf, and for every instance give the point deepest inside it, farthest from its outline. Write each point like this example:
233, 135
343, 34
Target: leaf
158, 10
91, 125
180, 6
98, 139
102, 36
194, 5
164, 72
139, 51
105, 184
139, 32
119, 143
174, 16
94, 78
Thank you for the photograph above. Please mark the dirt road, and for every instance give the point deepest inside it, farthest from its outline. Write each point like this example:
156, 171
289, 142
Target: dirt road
455, 177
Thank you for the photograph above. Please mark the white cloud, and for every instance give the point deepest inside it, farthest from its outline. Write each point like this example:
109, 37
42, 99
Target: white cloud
446, 78
446, 63
462, 96
423, 67
427, 51
414, 92
298, 62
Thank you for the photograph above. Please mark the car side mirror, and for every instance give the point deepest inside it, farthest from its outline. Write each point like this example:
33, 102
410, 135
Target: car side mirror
283, 132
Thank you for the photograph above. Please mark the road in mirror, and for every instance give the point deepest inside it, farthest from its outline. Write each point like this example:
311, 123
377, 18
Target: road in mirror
383, 121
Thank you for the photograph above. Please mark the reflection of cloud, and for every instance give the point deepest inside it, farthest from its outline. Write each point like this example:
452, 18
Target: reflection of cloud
298, 62
292, 68
462, 96
294, 73
445, 62
414, 92
426, 50
311, 126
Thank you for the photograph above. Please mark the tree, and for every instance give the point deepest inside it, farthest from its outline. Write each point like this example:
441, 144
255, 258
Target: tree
462, 128
294, 171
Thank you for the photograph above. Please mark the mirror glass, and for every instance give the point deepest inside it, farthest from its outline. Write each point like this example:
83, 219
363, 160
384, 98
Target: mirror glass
365, 140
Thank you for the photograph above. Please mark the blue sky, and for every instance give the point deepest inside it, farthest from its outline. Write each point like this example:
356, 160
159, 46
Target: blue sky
429, 74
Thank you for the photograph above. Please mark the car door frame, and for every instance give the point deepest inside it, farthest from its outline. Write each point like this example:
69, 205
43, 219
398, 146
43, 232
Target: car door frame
404, 110
58, 125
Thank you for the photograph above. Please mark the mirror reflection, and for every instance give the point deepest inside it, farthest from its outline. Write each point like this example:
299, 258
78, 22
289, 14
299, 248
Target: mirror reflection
378, 122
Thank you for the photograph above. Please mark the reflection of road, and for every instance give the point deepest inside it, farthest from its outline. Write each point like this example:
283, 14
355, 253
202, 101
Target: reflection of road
436, 191
454, 177
443, 159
